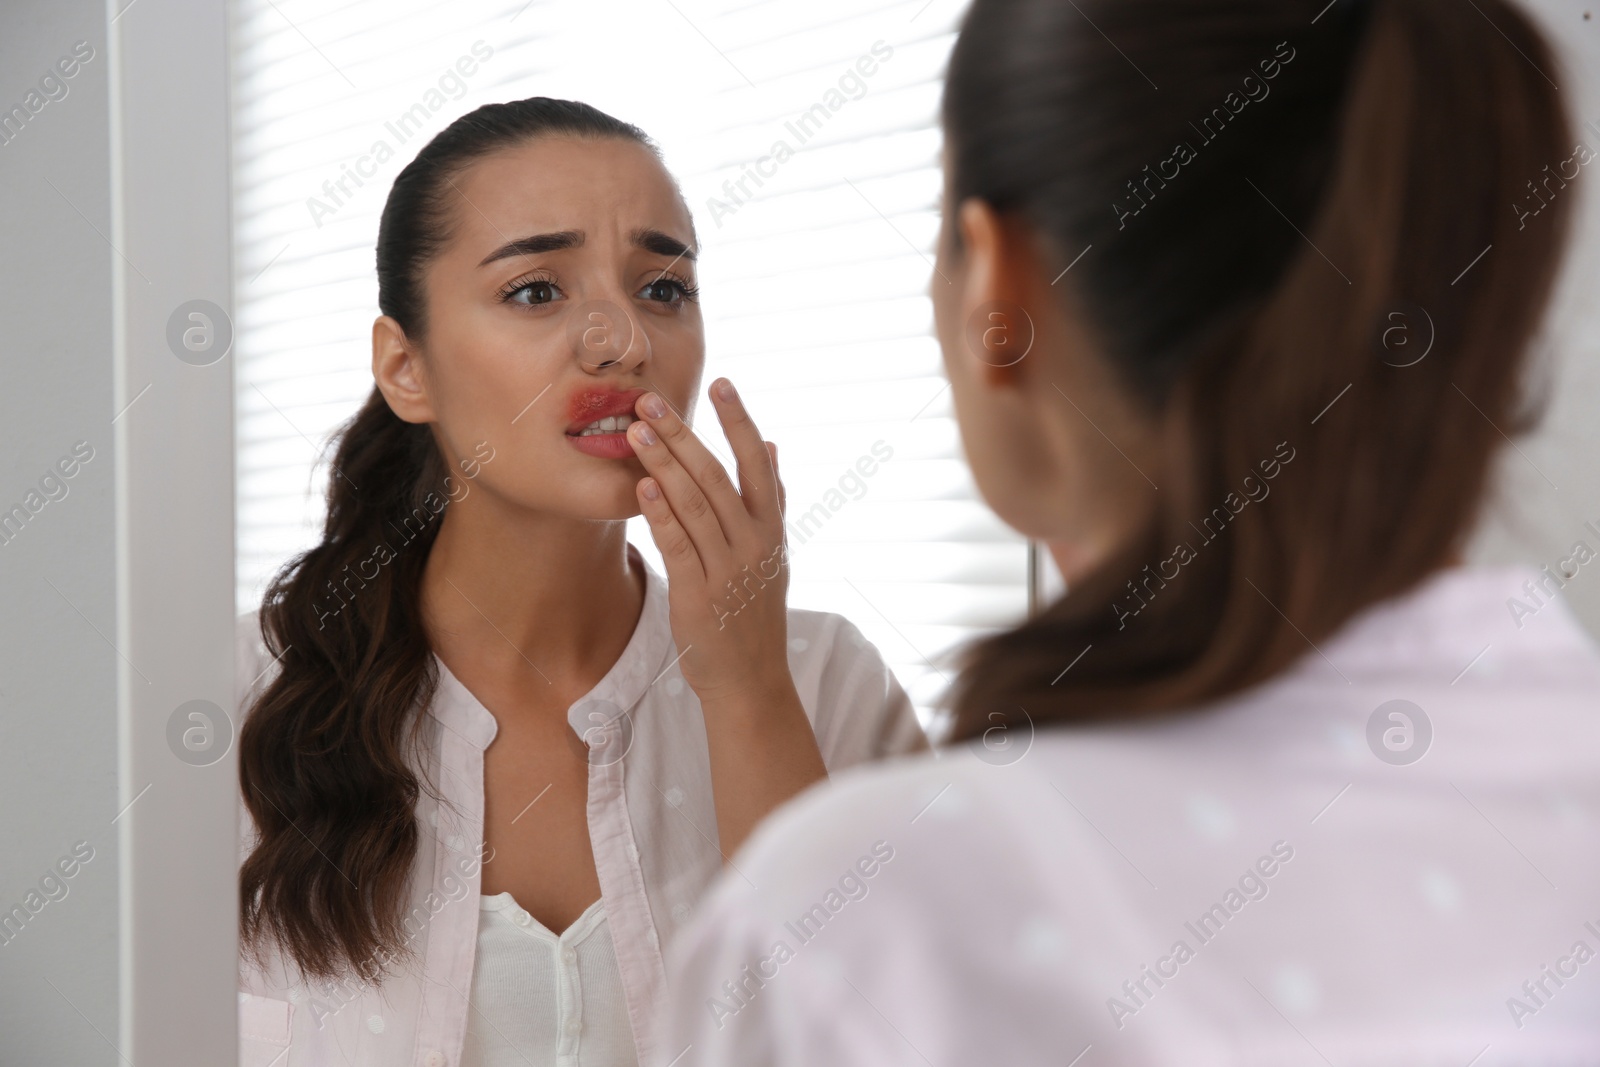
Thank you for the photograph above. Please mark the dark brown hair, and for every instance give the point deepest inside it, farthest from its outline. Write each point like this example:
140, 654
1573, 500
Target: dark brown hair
328, 763
1364, 191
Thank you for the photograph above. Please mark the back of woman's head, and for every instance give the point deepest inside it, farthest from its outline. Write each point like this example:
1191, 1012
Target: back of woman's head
1315, 249
327, 763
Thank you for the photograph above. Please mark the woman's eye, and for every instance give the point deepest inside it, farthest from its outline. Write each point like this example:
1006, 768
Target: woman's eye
664, 290
534, 293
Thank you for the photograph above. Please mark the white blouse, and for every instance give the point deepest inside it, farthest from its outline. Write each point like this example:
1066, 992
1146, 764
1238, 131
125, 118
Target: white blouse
542, 998
652, 826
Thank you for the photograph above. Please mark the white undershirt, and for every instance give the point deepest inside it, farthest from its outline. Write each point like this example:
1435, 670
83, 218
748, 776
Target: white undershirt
539, 999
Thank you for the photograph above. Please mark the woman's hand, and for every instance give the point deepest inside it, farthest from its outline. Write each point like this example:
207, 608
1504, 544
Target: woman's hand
727, 584
727, 564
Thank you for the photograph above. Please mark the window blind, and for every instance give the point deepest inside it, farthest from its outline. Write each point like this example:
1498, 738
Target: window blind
804, 137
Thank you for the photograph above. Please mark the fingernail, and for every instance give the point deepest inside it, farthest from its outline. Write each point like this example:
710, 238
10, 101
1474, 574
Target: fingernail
651, 490
644, 433
653, 407
725, 390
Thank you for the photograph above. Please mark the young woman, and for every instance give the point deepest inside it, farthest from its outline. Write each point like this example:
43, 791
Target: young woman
489, 758
1301, 788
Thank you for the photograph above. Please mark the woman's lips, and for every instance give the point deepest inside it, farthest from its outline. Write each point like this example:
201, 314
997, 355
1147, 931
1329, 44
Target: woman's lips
588, 406
603, 445
591, 405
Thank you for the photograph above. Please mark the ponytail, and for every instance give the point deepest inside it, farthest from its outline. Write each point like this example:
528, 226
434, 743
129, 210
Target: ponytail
325, 755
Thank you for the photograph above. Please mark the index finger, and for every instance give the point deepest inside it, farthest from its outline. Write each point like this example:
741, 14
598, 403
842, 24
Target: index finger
758, 477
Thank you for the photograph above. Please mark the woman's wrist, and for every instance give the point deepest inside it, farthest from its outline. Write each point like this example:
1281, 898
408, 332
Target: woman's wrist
758, 698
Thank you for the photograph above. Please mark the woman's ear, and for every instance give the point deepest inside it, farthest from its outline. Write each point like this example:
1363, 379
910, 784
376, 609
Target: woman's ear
997, 329
397, 370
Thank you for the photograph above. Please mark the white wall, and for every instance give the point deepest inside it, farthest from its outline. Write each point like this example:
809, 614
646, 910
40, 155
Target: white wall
58, 673
119, 840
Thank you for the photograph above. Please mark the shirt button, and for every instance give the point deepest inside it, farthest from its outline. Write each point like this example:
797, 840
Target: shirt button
434, 1058
521, 918
572, 1028
570, 955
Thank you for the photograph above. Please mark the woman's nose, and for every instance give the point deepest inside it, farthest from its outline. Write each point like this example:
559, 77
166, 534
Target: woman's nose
605, 334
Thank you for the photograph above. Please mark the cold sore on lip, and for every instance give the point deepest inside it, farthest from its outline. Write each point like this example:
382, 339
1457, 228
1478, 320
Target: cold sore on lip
590, 405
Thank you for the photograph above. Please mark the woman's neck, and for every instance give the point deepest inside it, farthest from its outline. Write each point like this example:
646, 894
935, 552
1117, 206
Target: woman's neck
507, 591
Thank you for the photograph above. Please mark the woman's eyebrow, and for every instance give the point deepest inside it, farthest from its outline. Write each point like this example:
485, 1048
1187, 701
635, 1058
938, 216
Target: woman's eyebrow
648, 239
661, 243
535, 244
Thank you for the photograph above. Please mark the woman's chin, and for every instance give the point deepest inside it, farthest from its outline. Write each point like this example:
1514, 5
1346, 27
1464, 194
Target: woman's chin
610, 498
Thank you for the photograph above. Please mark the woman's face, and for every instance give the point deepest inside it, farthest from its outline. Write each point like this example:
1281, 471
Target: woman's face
565, 291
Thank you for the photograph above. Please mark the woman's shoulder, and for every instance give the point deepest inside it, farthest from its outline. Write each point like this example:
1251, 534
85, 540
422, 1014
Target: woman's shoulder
827, 633
857, 706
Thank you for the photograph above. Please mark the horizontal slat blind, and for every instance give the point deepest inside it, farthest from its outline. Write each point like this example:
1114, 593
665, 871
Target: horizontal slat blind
317, 89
